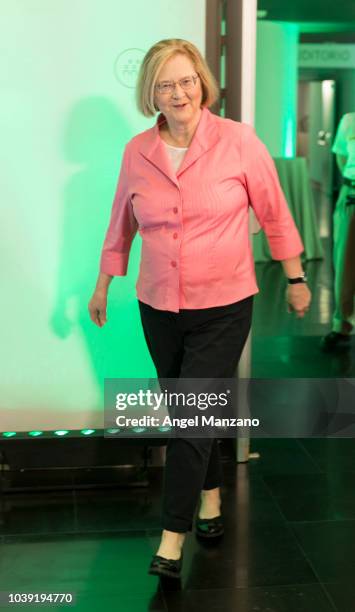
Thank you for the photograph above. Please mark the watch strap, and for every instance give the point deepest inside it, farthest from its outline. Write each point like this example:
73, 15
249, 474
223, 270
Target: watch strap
298, 279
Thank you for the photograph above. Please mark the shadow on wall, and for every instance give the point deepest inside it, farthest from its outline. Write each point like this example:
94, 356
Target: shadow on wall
94, 139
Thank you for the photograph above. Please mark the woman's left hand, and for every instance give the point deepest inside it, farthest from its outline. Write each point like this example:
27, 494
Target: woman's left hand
298, 299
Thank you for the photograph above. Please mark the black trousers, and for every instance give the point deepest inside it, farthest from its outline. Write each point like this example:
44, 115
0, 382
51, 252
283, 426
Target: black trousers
199, 343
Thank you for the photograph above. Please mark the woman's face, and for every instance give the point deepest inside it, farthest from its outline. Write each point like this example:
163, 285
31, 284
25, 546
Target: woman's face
175, 69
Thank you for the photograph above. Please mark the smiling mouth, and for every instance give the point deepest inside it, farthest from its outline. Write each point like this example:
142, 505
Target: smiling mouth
180, 105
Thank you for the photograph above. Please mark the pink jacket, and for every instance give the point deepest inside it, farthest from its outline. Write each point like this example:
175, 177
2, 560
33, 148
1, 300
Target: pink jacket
196, 251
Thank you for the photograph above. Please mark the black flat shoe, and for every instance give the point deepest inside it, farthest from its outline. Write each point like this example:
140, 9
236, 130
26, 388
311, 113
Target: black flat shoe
210, 528
160, 566
332, 340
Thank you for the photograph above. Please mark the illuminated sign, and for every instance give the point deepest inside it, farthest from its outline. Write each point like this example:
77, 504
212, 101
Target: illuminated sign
328, 55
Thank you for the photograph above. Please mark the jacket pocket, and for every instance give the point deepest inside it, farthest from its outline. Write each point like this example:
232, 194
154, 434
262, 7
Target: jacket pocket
151, 228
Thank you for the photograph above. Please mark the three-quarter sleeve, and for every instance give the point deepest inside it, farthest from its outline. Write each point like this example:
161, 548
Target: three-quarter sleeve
267, 198
122, 227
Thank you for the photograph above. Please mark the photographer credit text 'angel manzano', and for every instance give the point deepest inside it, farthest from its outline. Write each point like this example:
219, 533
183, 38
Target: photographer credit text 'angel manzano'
183, 423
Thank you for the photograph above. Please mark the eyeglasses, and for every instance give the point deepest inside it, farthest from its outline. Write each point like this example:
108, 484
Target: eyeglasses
166, 87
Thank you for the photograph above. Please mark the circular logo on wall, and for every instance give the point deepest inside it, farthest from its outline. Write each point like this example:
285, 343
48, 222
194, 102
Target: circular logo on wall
127, 66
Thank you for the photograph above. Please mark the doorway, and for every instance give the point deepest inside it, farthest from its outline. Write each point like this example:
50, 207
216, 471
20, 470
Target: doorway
315, 130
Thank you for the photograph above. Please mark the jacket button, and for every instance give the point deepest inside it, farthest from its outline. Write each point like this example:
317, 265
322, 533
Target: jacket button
173, 263
175, 235
175, 209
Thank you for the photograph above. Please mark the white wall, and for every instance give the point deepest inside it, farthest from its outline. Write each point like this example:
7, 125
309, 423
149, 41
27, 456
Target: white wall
65, 119
276, 86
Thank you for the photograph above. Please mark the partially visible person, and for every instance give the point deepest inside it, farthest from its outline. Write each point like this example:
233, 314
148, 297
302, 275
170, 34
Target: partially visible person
344, 237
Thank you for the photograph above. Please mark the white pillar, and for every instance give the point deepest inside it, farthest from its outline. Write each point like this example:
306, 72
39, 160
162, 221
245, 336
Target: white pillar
276, 87
241, 30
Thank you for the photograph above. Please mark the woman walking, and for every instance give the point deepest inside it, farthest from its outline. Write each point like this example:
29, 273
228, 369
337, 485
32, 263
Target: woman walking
186, 185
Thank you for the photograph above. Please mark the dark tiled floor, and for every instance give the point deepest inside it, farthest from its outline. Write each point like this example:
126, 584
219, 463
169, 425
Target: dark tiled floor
289, 512
284, 346
102, 569
289, 543
300, 357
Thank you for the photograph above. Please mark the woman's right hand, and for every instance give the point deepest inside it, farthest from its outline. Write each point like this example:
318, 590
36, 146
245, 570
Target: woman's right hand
97, 307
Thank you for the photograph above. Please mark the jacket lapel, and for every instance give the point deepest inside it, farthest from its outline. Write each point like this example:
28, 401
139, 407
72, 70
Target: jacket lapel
206, 136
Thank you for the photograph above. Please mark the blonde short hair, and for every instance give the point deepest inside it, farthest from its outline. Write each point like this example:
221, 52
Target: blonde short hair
154, 60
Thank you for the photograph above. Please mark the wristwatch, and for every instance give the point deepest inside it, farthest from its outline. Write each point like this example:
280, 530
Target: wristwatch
298, 279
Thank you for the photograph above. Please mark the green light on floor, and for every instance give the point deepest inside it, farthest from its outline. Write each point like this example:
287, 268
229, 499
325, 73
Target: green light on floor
61, 432
35, 433
9, 434
113, 431
167, 428
139, 429
87, 432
